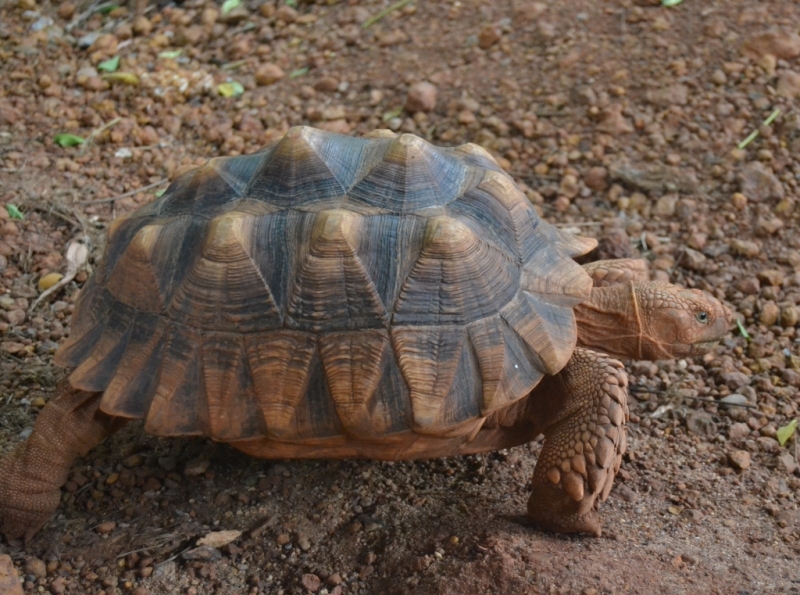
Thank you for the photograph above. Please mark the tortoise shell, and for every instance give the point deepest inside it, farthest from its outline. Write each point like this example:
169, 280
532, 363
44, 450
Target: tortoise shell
328, 286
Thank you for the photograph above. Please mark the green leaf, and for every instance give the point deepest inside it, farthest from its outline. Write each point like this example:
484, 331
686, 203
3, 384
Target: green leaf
392, 114
298, 72
170, 54
106, 8
786, 432
229, 5
14, 212
68, 140
292, 3
742, 330
159, 193
110, 65
670, 2
230, 89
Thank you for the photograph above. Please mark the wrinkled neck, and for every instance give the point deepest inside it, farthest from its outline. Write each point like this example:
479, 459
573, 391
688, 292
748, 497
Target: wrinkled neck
611, 321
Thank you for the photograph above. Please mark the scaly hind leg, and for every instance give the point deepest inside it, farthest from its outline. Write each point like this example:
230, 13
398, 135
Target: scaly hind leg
31, 476
582, 411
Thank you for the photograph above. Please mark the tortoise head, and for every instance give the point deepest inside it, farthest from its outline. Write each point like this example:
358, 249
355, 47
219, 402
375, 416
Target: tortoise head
651, 320
679, 322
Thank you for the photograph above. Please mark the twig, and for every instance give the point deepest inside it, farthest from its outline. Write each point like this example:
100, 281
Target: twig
124, 194
77, 254
580, 224
374, 19
170, 559
643, 389
90, 139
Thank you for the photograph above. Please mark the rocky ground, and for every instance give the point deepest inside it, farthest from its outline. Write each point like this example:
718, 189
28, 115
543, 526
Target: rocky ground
625, 120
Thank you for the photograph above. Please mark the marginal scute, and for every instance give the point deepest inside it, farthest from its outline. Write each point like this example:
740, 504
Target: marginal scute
332, 290
224, 289
233, 411
131, 390
98, 366
279, 364
133, 281
548, 330
353, 363
457, 279
429, 358
178, 407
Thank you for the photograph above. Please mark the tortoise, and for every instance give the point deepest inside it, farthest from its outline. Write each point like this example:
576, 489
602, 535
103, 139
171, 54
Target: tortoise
376, 297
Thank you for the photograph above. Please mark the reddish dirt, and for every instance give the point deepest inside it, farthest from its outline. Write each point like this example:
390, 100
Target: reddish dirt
621, 120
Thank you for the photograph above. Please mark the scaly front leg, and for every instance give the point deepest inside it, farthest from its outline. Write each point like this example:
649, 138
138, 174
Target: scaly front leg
32, 475
582, 411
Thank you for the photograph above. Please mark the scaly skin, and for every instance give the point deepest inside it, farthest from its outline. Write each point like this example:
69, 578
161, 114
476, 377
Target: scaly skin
582, 409
32, 475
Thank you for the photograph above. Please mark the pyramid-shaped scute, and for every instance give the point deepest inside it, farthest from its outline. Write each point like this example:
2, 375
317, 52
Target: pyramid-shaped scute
237, 171
332, 290
135, 380
307, 166
353, 364
233, 411
133, 280
280, 365
412, 175
548, 330
477, 156
335, 233
523, 222
224, 289
178, 407
429, 358
556, 279
457, 279
202, 191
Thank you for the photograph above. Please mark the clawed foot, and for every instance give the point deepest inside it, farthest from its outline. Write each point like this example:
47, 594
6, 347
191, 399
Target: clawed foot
26, 503
550, 509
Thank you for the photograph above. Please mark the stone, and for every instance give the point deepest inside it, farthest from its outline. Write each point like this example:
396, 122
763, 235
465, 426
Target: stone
749, 286
421, 97
735, 380
286, 13
738, 431
142, 26
772, 277
788, 84
776, 42
66, 10
759, 183
311, 582
9, 582
746, 248
596, 179
767, 226
789, 316
327, 84
488, 36
769, 313
613, 122
665, 206
669, 96
106, 527
268, 74
787, 462
739, 459
700, 423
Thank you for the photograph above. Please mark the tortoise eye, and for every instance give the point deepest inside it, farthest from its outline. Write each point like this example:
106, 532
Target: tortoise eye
702, 317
